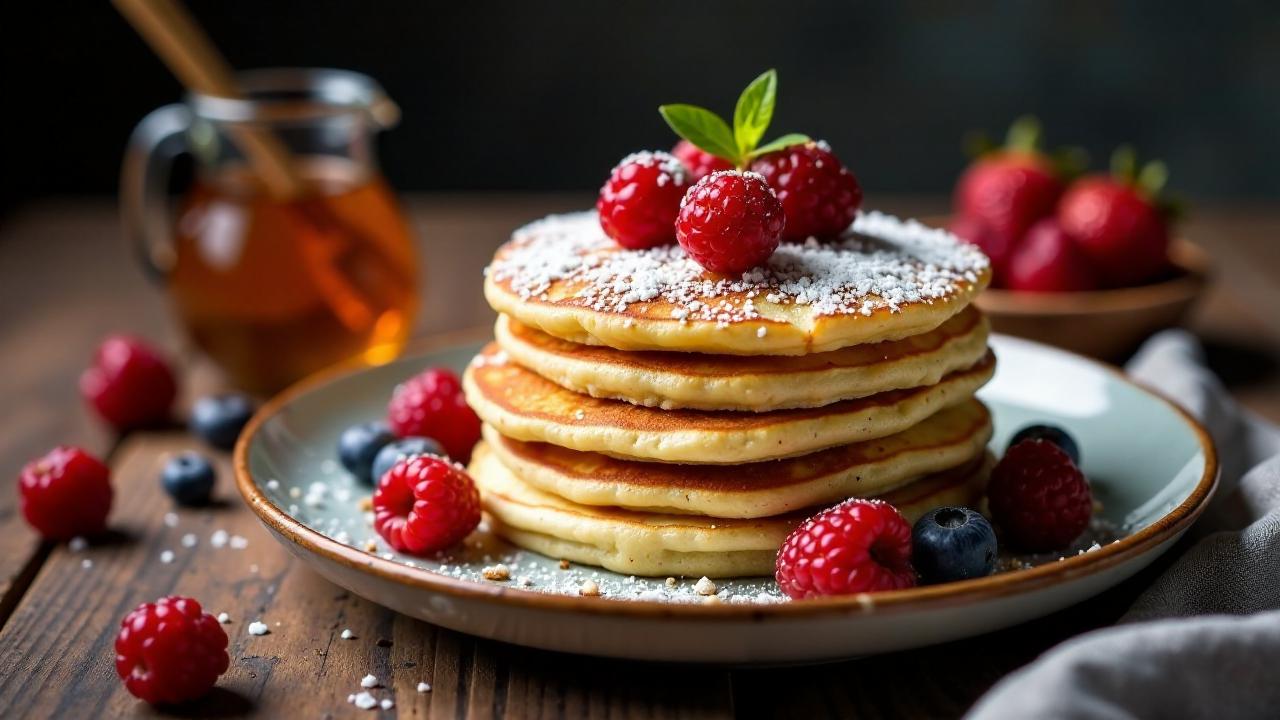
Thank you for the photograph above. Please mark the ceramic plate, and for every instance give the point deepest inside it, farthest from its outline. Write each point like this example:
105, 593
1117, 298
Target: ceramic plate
1152, 468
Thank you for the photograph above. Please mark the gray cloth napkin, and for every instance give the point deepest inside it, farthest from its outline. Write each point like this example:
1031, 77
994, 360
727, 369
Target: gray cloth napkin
1204, 640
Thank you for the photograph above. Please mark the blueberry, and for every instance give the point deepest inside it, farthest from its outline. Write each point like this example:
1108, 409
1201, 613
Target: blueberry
1053, 434
359, 444
188, 478
952, 543
218, 419
391, 454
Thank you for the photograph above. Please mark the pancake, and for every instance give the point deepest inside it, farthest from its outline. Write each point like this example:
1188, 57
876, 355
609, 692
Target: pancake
885, 279
950, 438
671, 380
639, 543
525, 406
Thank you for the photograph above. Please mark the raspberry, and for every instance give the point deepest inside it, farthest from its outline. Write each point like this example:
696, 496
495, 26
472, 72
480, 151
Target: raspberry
730, 222
819, 195
170, 651
1038, 497
699, 162
129, 383
424, 504
431, 405
65, 493
856, 546
639, 201
1049, 261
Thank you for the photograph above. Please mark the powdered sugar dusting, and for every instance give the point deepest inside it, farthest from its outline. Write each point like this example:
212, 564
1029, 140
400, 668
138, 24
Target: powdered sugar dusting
882, 262
672, 170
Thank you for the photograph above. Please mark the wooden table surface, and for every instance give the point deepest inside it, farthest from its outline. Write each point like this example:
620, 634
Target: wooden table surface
66, 280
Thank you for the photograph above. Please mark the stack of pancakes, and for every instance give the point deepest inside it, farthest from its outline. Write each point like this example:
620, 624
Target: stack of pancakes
654, 419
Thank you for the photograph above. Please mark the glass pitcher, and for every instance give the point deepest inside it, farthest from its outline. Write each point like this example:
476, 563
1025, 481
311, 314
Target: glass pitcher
275, 279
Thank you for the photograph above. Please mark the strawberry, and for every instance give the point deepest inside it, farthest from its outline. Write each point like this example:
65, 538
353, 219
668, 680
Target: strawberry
1008, 189
1118, 222
995, 245
1049, 261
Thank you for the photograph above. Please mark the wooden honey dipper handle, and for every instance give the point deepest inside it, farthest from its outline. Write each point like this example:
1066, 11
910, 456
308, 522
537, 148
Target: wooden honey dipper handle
190, 55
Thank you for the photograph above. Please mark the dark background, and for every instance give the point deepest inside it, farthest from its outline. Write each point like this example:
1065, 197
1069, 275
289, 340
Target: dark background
547, 96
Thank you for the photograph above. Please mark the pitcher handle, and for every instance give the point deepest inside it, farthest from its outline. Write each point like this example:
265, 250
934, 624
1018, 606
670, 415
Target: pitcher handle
144, 184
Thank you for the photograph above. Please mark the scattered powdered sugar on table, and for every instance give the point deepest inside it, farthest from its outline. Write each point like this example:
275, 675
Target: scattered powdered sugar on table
883, 262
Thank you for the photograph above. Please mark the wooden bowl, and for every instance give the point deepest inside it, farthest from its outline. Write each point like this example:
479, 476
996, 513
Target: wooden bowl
1105, 324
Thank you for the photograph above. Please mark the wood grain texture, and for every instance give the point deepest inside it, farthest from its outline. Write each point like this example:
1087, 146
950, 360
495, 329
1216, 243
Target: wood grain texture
65, 267
58, 644
53, 309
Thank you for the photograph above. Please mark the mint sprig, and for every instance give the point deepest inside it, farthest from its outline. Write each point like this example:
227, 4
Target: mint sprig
740, 144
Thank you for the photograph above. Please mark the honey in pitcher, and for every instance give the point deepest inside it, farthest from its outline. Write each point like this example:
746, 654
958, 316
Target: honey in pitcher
274, 290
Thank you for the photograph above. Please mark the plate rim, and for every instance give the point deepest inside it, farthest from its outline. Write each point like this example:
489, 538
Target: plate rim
915, 599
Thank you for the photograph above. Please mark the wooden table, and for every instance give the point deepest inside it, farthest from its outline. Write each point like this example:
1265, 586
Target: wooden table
66, 280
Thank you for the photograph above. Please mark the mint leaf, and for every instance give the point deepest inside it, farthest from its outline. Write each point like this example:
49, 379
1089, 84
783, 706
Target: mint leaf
702, 128
754, 111
783, 142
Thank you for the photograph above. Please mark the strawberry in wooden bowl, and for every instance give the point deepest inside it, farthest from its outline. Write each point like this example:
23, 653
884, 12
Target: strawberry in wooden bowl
1089, 264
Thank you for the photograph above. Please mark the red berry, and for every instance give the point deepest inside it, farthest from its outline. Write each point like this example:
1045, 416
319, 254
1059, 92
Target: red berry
129, 383
1049, 261
699, 162
1038, 497
1123, 233
1008, 192
65, 493
424, 504
431, 405
819, 195
856, 546
993, 244
170, 651
639, 201
730, 222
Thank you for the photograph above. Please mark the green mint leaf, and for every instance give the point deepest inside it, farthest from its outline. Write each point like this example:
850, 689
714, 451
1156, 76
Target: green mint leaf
702, 128
783, 142
754, 111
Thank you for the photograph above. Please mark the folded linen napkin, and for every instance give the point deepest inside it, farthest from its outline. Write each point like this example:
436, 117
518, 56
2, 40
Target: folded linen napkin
1204, 639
